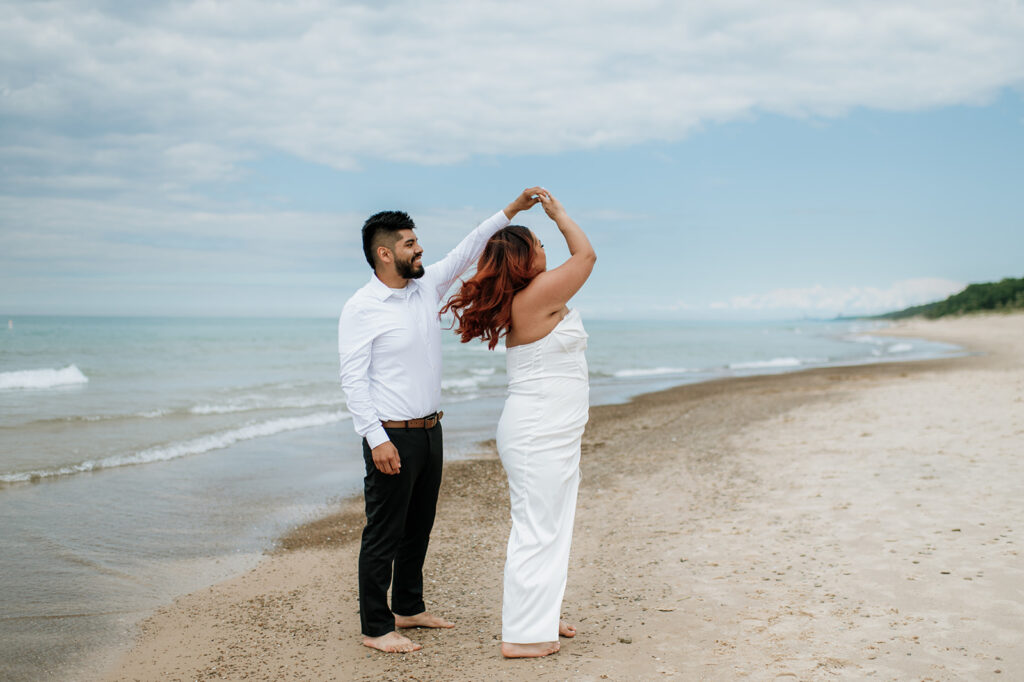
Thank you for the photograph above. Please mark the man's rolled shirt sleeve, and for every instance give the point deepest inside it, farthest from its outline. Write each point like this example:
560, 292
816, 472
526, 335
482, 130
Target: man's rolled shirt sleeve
355, 345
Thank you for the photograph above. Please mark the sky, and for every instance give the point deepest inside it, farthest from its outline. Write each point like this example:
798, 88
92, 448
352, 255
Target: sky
728, 159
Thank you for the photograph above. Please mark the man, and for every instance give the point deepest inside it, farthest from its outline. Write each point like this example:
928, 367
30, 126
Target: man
389, 340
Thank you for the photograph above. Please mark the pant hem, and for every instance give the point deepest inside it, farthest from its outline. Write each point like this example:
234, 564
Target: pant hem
366, 634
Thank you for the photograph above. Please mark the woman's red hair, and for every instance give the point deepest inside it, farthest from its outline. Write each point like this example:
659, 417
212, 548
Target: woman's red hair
483, 305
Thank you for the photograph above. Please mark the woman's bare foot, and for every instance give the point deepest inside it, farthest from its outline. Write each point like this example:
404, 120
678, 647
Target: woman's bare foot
566, 630
392, 643
422, 620
509, 650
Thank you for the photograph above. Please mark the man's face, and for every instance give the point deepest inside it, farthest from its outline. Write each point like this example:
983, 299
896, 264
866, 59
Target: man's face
408, 255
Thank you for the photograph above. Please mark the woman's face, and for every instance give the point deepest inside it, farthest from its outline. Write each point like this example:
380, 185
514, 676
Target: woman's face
540, 259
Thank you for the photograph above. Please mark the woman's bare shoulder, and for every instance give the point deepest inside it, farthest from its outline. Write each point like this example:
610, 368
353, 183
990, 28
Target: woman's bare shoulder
529, 325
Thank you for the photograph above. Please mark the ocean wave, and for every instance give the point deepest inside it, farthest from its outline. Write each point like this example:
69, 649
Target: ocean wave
861, 327
195, 446
92, 419
262, 403
868, 338
657, 371
882, 342
205, 409
199, 410
148, 414
43, 378
462, 384
767, 364
462, 398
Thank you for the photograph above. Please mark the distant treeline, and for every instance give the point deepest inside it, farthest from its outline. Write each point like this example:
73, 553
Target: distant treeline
1007, 294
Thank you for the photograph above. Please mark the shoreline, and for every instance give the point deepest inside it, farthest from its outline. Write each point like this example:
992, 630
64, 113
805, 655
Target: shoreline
294, 615
348, 521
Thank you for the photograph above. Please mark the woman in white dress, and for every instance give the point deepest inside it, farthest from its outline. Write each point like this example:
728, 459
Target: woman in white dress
513, 295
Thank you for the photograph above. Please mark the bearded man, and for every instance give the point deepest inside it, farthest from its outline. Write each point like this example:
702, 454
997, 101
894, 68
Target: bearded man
389, 341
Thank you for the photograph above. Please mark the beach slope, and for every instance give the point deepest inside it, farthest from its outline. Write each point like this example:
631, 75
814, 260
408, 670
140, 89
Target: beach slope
839, 523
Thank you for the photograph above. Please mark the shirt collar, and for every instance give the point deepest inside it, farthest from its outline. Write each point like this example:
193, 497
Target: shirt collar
382, 291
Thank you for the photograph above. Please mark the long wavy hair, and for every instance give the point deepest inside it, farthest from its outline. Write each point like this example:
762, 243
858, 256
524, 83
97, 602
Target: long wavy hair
482, 307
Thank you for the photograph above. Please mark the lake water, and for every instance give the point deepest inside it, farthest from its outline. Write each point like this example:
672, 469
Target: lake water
143, 458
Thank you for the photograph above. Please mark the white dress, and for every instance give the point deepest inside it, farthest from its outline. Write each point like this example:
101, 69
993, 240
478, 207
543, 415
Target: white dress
538, 440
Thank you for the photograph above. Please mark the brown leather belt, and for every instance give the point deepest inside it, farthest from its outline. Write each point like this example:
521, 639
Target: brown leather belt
428, 422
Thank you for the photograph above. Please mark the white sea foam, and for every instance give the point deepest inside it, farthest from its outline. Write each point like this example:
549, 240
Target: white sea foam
462, 398
43, 378
880, 341
150, 414
217, 409
767, 364
262, 403
657, 371
195, 446
461, 384
483, 372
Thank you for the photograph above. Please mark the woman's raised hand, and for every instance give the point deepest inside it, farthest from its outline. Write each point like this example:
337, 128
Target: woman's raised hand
551, 290
552, 206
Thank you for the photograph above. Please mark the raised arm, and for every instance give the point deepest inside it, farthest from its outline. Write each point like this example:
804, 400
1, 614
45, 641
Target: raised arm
551, 290
458, 260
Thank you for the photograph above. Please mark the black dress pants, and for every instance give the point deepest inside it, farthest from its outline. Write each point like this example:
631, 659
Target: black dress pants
399, 515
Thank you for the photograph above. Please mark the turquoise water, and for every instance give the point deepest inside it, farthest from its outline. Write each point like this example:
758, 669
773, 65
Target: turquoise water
141, 458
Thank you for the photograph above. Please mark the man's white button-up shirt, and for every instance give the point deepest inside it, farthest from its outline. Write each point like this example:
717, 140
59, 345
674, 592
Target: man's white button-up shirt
389, 340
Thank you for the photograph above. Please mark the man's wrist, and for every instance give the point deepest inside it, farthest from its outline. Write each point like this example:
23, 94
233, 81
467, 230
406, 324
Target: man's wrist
376, 436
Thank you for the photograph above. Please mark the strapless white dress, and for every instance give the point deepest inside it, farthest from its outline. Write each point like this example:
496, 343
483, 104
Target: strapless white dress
538, 440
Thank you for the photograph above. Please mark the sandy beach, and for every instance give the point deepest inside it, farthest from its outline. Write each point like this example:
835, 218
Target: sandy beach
837, 523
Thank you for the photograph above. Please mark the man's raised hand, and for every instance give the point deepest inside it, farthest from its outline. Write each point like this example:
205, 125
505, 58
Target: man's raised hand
524, 202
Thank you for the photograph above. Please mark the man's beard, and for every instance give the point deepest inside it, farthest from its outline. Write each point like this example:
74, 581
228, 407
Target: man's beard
407, 270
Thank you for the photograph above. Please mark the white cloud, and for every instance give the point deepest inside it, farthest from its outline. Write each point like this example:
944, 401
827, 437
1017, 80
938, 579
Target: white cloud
180, 92
818, 300
99, 239
135, 259
84, 256
120, 120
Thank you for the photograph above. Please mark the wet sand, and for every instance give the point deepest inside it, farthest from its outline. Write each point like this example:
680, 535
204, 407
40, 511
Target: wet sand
839, 523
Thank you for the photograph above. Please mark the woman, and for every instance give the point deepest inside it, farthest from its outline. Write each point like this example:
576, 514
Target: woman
513, 295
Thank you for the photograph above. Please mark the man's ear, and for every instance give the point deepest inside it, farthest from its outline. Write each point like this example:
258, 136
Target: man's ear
385, 255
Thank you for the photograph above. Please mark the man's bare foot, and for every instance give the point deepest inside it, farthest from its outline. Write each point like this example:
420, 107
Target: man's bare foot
422, 620
509, 650
566, 630
392, 643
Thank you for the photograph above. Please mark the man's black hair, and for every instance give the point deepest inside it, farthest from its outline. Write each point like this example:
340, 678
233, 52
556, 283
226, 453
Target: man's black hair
381, 229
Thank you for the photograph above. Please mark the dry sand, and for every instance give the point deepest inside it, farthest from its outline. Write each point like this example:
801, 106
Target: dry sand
853, 523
